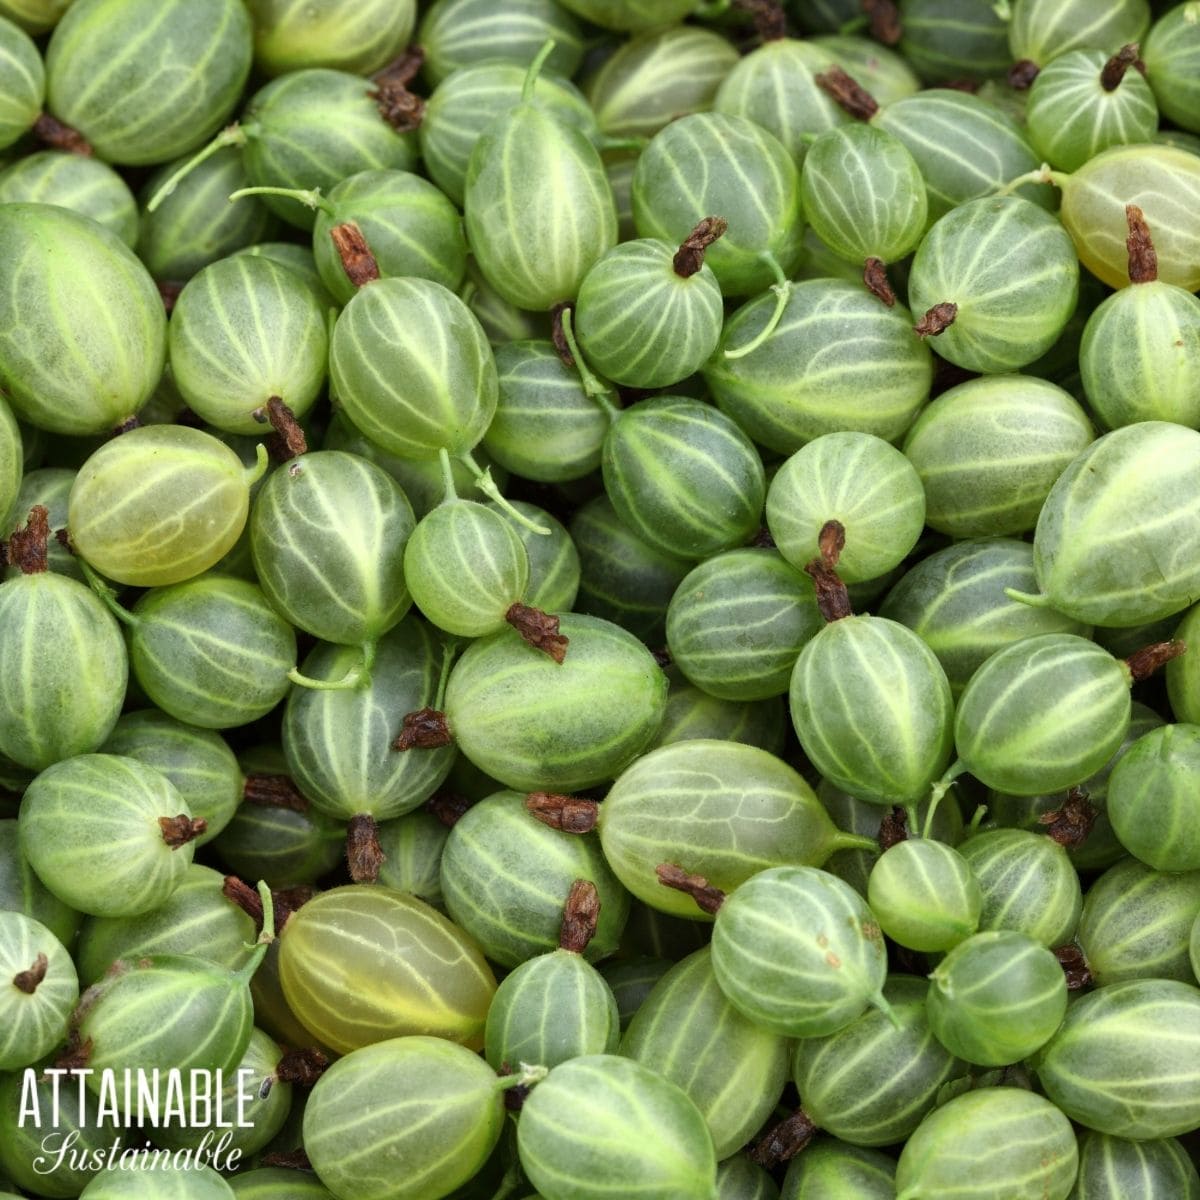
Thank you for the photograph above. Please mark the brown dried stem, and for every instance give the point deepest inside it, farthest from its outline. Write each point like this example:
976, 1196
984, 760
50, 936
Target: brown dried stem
364, 854
784, 1141
539, 629
1074, 965
357, 260
288, 440
274, 791
1143, 258
848, 93
568, 813
936, 320
708, 898
883, 21
1144, 662
400, 108
53, 133
1022, 74
1070, 825
425, 729
876, 279
689, 258
27, 548
245, 897
178, 831
581, 914
1114, 70
832, 597
28, 981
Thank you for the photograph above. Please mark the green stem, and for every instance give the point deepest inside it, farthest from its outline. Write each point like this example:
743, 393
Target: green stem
310, 198
262, 460
258, 951
853, 841
712, 10
514, 1177
449, 650
636, 144
359, 675
943, 785
450, 492
233, 135
783, 290
106, 593
852, 26
527, 1076
1042, 175
487, 485
1034, 599
880, 1002
913, 814
593, 385
535, 69
976, 819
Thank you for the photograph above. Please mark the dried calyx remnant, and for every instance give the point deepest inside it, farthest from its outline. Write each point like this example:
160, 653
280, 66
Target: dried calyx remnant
1074, 964
357, 260
364, 854
892, 829
425, 729
848, 93
832, 598
581, 914
571, 814
1070, 824
53, 133
285, 900
689, 258
883, 21
274, 791
558, 335
783, 1141
770, 21
539, 629
401, 109
288, 440
1143, 258
27, 548
1144, 662
28, 981
1114, 70
877, 282
936, 320
178, 831
448, 807
708, 898
1022, 74
303, 1067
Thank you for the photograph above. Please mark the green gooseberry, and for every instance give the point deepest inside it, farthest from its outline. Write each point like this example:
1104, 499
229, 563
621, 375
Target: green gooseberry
34, 16
631, 980
460, 33
277, 1183
40, 990
1162, 181
467, 101
996, 998
798, 952
721, 809
688, 1032
657, 76
872, 1082
1132, 566
210, 652
652, 1141
988, 452
859, 480
965, 147
272, 1012
78, 294
193, 226
740, 1179
864, 196
997, 280
11, 467
925, 895
762, 242
1152, 798
1041, 30
775, 86
85, 185
1112, 1166
651, 931
649, 313
829, 1168
257, 1076
158, 1179
412, 848
956, 601
534, 723
1163, 322
693, 713
553, 560
1012, 1138
454, 1116
21, 891
683, 476
338, 741
556, 1006
503, 875
300, 261
1183, 676
309, 130
946, 41
629, 16
358, 37
531, 162
837, 361
160, 504
1136, 922
737, 624
412, 398
198, 762
124, 74
546, 427
241, 333
327, 534
107, 835
196, 919
362, 964
1121, 1063
1029, 885
22, 82
1169, 52
882, 71
1085, 101
622, 579
1043, 714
